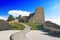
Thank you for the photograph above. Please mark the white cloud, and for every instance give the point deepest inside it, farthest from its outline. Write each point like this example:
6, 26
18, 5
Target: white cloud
18, 12
54, 20
4, 18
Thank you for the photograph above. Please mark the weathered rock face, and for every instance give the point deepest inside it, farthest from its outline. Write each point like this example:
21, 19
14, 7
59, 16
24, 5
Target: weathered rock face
38, 17
51, 27
4, 25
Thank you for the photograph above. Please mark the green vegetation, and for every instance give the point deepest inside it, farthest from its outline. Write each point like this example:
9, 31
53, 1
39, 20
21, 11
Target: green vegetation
16, 26
35, 26
10, 18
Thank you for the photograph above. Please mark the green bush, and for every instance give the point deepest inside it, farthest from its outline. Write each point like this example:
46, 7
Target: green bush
10, 18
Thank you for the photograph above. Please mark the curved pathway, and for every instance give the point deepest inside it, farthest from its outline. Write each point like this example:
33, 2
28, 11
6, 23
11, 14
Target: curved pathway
21, 35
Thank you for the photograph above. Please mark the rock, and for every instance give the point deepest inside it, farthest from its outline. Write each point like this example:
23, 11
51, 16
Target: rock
38, 17
4, 25
51, 27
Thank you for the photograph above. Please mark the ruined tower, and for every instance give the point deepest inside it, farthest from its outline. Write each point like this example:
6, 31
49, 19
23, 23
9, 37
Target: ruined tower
38, 17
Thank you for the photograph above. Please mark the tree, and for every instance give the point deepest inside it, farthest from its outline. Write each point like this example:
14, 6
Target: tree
31, 14
10, 18
19, 18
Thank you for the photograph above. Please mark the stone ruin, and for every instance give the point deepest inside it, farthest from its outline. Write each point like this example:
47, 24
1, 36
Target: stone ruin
38, 17
23, 19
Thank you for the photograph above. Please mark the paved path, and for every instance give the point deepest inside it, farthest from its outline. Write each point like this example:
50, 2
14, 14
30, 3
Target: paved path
21, 35
32, 35
5, 35
39, 35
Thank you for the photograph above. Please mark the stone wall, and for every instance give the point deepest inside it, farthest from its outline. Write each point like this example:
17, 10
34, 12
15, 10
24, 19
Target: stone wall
38, 17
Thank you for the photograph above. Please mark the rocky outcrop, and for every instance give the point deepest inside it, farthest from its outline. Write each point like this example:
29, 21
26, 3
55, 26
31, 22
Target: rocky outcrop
51, 27
4, 25
38, 17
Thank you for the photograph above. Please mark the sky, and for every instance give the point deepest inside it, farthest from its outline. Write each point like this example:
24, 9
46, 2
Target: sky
25, 7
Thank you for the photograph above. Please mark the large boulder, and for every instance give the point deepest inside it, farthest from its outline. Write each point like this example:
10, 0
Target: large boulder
4, 25
51, 27
38, 16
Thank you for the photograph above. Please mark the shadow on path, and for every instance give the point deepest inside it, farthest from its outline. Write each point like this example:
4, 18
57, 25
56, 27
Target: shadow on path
40, 27
53, 34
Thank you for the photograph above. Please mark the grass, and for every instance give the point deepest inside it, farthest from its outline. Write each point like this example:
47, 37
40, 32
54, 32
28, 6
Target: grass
16, 26
35, 26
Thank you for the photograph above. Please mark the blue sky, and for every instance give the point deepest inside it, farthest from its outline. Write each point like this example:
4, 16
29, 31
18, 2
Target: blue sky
51, 7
